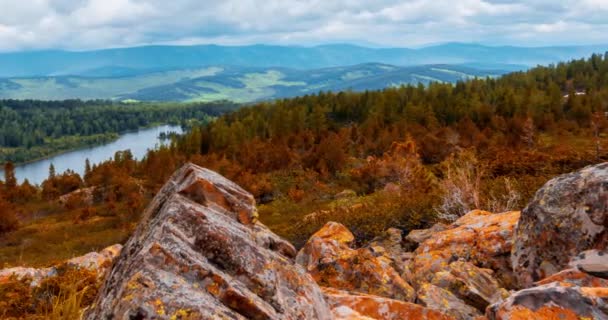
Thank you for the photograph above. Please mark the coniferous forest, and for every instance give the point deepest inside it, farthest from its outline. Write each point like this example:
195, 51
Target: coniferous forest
31, 129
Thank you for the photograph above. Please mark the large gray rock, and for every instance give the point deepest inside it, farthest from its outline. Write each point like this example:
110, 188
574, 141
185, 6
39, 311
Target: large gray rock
592, 262
201, 254
567, 216
475, 286
551, 301
97, 262
444, 301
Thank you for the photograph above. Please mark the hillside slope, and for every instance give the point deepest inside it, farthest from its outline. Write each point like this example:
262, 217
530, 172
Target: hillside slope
240, 84
154, 58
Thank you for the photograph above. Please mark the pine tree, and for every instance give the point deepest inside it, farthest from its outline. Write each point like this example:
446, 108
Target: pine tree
51, 172
10, 181
87, 168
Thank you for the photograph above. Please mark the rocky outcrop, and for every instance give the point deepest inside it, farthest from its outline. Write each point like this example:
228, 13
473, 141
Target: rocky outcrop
201, 254
416, 237
328, 257
475, 286
389, 246
442, 300
350, 306
98, 262
482, 238
552, 301
574, 277
84, 195
567, 216
593, 262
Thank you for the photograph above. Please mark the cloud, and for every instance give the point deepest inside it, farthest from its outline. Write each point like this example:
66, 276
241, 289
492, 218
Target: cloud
87, 24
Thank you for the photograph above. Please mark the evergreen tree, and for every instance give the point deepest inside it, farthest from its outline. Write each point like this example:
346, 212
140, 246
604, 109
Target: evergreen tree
52, 172
87, 168
10, 181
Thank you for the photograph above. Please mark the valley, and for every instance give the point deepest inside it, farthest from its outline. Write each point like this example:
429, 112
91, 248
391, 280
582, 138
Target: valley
238, 84
303, 160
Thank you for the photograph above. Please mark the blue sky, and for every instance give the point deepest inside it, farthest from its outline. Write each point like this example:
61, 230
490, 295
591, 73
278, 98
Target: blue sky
91, 24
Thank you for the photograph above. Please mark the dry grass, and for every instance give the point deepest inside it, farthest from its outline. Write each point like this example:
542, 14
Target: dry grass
53, 239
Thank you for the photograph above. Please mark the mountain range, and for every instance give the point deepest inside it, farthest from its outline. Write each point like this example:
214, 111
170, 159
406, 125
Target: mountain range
239, 84
256, 72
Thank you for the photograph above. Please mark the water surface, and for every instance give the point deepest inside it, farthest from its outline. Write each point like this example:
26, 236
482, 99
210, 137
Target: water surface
138, 142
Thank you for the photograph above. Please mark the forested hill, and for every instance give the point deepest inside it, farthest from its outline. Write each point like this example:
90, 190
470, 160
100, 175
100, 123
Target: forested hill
30, 129
558, 97
239, 84
509, 135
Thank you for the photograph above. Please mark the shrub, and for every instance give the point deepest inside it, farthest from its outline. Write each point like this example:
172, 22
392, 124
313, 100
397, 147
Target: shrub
16, 298
8, 218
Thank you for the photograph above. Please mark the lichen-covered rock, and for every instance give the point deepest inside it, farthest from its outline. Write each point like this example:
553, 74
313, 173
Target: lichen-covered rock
98, 262
444, 301
552, 301
567, 216
35, 274
593, 262
85, 195
389, 246
481, 238
332, 263
416, 237
199, 253
475, 286
351, 306
574, 277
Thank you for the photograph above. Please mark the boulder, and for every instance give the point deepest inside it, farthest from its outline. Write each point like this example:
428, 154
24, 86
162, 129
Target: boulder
444, 301
593, 262
475, 286
416, 237
85, 195
19, 273
330, 260
99, 262
389, 246
350, 306
200, 253
481, 238
568, 215
574, 277
552, 301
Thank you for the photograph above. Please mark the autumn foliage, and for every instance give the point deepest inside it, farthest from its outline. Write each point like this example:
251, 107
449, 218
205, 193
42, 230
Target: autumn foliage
409, 155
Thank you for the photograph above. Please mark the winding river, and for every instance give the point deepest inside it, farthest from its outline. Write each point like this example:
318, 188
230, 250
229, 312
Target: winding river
138, 142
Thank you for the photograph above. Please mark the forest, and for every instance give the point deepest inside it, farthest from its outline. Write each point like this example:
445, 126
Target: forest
31, 129
402, 157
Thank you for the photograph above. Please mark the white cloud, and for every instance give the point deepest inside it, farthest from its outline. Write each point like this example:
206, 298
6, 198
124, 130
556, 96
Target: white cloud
86, 24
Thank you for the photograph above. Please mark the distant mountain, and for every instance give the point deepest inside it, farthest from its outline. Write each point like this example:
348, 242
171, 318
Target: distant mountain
240, 84
140, 60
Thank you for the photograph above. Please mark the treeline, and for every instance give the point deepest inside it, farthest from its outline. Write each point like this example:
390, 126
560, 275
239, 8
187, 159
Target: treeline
31, 129
28, 123
491, 142
511, 110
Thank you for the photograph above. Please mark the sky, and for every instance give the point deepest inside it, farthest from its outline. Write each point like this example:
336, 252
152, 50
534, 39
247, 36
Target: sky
94, 24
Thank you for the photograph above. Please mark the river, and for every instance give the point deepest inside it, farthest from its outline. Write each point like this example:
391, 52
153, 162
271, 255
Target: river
138, 142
